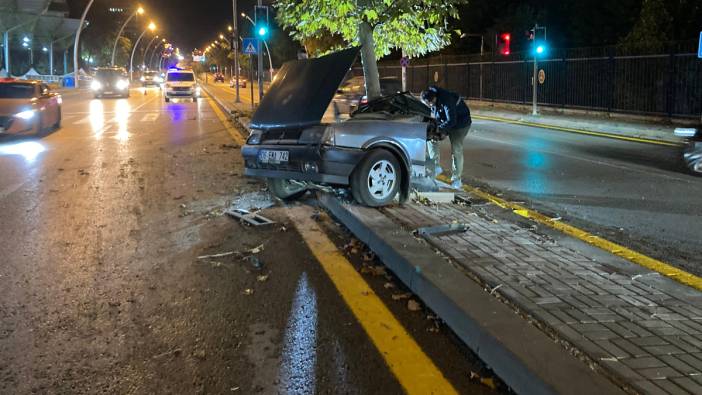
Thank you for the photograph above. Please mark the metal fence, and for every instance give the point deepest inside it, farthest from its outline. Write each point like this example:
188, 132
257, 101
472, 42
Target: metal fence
663, 85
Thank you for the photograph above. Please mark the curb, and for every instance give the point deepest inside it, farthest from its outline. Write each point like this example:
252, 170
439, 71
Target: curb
525, 358
612, 135
219, 102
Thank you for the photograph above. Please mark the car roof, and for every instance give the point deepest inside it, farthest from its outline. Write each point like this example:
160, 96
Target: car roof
181, 71
16, 81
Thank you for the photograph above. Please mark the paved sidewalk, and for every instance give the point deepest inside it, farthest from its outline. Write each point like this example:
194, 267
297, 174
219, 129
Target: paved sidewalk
617, 127
642, 328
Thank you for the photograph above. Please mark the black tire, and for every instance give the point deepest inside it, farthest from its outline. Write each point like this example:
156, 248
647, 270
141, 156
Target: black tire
38, 129
167, 99
284, 190
381, 189
194, 99
57, 125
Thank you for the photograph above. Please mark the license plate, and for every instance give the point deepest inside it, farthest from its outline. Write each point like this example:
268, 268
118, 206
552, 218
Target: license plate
108, 92
267, 156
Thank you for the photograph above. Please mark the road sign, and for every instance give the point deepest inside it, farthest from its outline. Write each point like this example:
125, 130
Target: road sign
404, 61
699, 47
542, 76
250, 46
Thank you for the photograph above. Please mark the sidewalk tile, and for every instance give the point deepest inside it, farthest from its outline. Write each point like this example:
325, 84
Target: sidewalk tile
689, 385
659, 373
671, 387
633, 350
679, 365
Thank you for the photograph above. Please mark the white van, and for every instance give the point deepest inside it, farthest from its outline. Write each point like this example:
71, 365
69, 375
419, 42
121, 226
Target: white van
180, 84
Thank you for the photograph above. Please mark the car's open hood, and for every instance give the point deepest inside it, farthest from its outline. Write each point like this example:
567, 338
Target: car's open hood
302, 90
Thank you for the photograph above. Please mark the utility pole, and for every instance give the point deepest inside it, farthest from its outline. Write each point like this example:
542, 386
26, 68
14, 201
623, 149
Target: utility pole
539, 48
235, 46
534, 109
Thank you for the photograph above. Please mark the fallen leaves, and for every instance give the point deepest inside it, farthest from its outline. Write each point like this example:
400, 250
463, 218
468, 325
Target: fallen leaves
413, 305
486, 381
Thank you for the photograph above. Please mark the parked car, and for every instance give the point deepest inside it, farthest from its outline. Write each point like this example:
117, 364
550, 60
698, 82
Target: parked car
375, 152
110, 81
180, 84
151, 78
692, 154
219, 77
352, 93
242, 82
28, 106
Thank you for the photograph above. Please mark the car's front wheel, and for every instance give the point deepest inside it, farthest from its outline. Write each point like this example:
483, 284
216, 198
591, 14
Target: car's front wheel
376, 180
285, 189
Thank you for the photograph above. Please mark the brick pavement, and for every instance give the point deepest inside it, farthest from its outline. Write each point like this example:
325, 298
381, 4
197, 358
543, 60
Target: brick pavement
642, 328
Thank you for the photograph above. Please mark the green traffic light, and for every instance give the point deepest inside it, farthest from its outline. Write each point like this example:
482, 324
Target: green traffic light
262, 31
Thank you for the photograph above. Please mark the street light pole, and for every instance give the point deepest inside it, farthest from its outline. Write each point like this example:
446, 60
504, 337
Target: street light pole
270, 62
76, 43
121, 29
235, 45
148, 47
136, 44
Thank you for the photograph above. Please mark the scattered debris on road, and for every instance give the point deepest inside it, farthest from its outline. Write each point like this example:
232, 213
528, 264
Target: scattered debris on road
249, 218
402, 296
252, 201
248, 291
262, 278
413, 305
223, 254
435, 197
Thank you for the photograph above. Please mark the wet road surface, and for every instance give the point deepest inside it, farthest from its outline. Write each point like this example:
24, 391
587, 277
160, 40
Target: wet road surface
636, 194
101, 288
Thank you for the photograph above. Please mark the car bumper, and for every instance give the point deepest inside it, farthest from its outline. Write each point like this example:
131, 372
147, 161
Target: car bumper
190, 93
17, 125
327, 165
114, 92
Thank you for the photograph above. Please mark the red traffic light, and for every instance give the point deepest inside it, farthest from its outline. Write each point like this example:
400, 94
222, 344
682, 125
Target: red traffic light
506, 36
503, 41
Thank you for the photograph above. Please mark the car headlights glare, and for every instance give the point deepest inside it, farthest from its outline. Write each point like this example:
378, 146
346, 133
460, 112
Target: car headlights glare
122, 84
29, 114
143, 79
96, 85
158, 79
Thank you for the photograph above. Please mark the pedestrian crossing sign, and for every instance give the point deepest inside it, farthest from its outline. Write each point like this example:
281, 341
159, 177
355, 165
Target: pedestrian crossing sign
250, 46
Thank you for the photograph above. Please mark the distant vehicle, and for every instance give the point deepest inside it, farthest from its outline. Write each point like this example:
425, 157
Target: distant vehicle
28, 106
151, 78
242, 82
219, 77
352, 93
110, 81
180, 84
376, 152
692, 154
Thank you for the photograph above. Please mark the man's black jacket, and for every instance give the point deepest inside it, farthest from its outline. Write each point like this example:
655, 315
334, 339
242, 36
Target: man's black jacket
450, 110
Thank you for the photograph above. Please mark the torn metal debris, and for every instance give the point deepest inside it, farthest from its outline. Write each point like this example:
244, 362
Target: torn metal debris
442, 230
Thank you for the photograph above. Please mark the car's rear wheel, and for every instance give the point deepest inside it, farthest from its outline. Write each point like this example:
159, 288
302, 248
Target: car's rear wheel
167, 99
285, 189
376, 180
57, 125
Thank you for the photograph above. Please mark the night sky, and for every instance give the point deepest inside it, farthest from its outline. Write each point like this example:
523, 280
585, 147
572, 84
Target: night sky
187, 23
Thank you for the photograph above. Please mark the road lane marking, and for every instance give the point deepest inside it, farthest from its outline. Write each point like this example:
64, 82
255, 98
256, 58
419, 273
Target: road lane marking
628, 254
411, 366
233, 132
150, 117
580, 131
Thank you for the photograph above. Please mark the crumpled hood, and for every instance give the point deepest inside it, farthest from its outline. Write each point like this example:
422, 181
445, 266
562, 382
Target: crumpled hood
14, 106
302, 90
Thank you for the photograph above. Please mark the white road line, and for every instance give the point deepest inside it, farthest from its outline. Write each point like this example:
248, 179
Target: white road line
11, 189
150, 117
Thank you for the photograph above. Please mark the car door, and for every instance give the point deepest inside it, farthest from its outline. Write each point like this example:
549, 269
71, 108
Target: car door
48, 105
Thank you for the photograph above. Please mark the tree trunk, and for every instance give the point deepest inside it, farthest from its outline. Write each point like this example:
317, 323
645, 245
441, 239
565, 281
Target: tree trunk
370, 65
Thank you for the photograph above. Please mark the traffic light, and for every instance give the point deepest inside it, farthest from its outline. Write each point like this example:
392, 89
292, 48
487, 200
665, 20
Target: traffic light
262, 29
503, 41
537, 35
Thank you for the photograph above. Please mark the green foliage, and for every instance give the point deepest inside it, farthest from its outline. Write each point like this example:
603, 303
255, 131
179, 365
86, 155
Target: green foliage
416, 26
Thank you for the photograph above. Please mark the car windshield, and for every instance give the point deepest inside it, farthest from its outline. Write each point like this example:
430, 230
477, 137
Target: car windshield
181, 77
149, 74
16, 91
108, 74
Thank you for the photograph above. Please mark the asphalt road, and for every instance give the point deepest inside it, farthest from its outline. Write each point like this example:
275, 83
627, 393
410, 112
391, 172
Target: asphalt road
101, 288
636, 194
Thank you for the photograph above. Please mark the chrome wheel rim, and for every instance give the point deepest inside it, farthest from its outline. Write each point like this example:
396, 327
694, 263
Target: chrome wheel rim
381, 179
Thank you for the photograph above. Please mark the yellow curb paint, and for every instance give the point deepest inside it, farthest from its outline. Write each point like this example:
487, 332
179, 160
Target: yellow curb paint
233, 132
580, 131
630, 255
411, 366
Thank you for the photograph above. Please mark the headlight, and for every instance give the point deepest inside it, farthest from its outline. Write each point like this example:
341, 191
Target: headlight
254, 137
122, 84
29, 114
197, 91
143, 79
96, 85
158, 79
329, 137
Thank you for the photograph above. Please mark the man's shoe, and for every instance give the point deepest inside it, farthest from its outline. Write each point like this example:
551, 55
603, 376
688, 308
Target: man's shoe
457, 184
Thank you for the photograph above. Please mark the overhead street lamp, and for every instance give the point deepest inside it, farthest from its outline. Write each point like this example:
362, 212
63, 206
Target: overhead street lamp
270, 62
139, 11
151, 27
146, 51
76, 46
